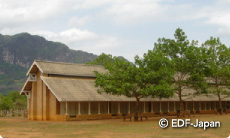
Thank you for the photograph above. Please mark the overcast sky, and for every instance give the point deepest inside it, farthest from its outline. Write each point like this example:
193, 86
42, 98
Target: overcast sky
118, 27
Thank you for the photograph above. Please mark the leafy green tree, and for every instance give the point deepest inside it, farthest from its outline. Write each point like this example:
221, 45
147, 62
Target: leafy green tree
217, 68
187, 61
139, 80
6, 104
103, 59
19, 101
14, 95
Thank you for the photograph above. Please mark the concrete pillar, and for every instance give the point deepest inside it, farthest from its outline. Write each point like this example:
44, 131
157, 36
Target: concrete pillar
66, 107
119, 109
79, 108
108, 107
89, 108
160, 107
99, 108
129, 108
151, 107
144, 107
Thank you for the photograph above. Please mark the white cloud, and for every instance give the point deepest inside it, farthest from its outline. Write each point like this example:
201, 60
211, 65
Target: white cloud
134, 10
9, 31
83, 40
23, 11
69, 36
75, 21
66, 21
222, 19
89, 4
27, 11
119, 11
224, 30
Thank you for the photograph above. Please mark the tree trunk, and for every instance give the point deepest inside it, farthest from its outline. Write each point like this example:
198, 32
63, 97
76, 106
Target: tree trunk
136, 109
218, 94
13, 112
5, 113
220, 104
181, 105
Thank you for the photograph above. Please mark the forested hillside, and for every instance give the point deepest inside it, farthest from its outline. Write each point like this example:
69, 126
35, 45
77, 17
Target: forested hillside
18, 52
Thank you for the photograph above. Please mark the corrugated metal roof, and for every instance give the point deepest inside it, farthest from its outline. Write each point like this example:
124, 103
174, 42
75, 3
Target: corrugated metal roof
84, 90
70, 69
78, 90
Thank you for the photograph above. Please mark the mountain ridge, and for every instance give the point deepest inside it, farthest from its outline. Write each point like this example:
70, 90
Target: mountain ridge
17, 53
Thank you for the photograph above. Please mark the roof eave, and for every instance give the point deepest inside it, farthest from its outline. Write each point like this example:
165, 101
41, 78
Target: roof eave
22, 90
34, 63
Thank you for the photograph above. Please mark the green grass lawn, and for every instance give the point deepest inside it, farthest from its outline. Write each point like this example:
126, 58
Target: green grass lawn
16, 127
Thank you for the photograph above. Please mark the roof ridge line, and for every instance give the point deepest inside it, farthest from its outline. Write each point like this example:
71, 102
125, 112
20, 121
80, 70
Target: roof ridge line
67, 63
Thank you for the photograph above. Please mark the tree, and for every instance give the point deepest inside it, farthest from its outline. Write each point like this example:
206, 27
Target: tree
217, 68
103, 59
6, 104
187, 61
19, 101
12, 101
14, 95
137, 80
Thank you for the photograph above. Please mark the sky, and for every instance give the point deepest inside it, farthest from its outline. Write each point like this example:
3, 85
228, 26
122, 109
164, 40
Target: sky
118, 27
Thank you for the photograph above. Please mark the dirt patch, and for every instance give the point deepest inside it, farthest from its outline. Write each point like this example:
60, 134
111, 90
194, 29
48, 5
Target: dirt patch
19, 127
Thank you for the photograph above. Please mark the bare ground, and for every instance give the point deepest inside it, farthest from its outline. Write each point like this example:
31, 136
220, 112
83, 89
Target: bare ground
18, 127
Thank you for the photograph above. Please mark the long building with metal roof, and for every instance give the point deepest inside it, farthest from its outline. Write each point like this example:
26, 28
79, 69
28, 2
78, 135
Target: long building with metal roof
66, 91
